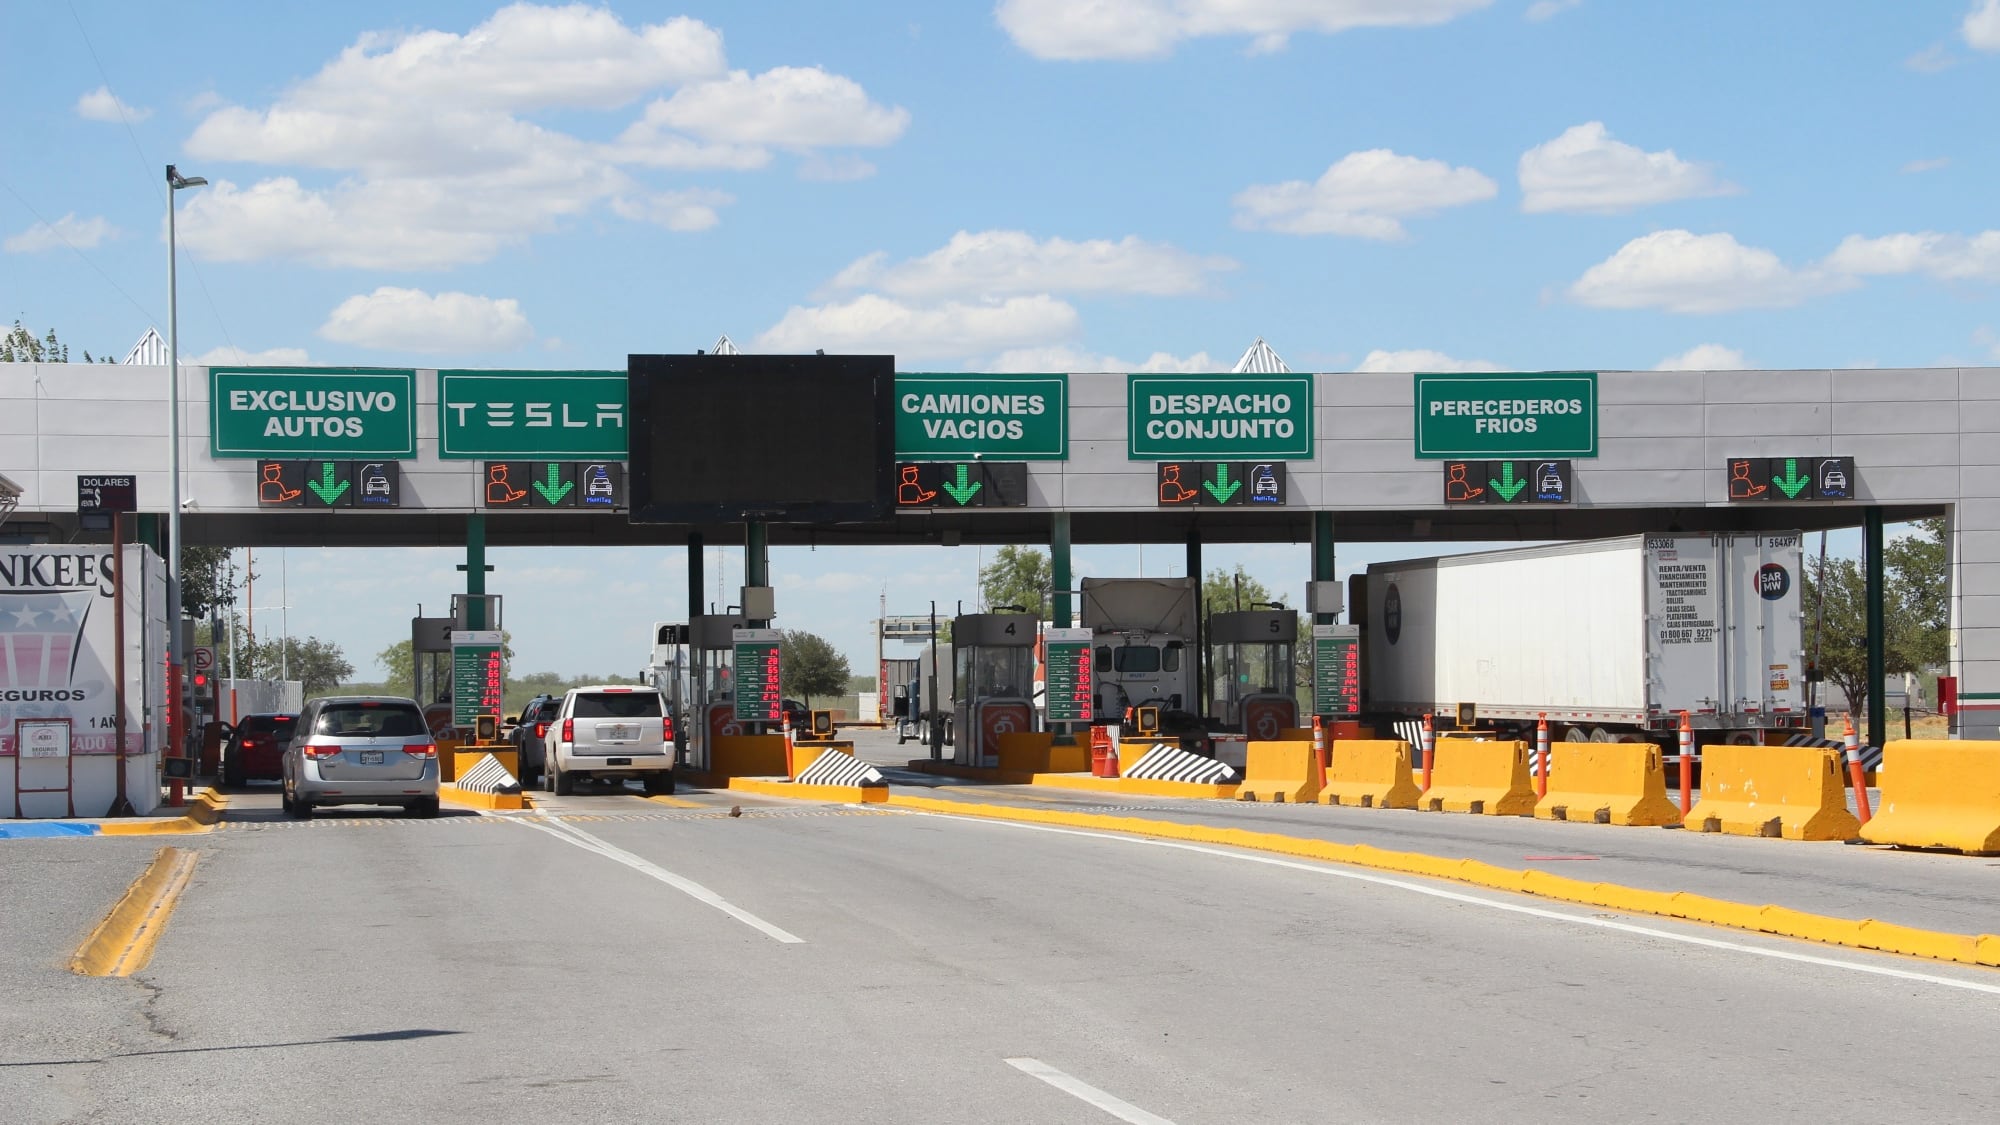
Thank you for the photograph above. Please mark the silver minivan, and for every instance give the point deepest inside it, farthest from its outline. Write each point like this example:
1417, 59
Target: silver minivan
610, 732
361, 750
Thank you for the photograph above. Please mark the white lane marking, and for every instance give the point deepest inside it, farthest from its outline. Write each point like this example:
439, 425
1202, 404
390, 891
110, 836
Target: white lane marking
1084, 1091
1511, 907
569, 834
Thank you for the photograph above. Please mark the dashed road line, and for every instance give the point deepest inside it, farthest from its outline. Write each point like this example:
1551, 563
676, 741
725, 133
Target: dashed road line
577, 837
1085, 1092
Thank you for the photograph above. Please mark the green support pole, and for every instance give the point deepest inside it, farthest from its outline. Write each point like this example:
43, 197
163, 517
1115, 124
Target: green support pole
1323, 557
475, 571
756, 553
1871, 548
149, 532
695, 577
1201, 685
1059, 603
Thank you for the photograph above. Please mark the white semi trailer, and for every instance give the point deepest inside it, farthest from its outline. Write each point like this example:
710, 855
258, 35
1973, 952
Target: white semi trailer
1609, 640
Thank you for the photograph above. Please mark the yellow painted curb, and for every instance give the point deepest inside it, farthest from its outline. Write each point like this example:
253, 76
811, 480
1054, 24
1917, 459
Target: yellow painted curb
123, 942
1863, 933
839, 794
203, 811
1135, 786
675, 802
466, 798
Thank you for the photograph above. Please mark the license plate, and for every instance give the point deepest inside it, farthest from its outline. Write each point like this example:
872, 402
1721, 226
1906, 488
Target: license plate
371, 757
620, 733
617, 761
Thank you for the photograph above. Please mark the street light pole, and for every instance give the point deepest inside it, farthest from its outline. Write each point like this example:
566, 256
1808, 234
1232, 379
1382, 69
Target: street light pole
175, 657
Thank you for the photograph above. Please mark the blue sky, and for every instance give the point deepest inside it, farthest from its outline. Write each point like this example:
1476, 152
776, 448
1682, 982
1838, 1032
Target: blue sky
1032, 185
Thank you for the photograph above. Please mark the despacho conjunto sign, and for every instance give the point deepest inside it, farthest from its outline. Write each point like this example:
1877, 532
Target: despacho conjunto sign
1219, 417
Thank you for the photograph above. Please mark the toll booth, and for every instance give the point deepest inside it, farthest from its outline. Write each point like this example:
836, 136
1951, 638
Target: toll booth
669, 671
1251, 660
712, 683
993, 676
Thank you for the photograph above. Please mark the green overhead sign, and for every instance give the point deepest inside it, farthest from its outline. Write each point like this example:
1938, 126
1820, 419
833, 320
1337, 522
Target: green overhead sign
1002, 417
1499, 415
312, 412
531, 414
1218, 417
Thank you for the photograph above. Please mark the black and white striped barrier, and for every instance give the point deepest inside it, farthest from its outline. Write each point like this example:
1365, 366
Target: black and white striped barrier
836, 768
489, 776
1166, 762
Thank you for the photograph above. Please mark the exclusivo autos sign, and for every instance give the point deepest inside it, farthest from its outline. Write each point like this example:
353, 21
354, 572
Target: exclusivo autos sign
312, 412
1216, 417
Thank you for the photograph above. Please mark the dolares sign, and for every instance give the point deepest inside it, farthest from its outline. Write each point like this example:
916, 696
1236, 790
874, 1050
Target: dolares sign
316, 412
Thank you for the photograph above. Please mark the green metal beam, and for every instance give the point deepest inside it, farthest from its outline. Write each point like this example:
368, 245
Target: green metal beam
1059, 576
1323, 568
1878, 712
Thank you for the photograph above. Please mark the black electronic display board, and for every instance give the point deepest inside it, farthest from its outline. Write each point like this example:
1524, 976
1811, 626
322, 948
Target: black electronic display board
782, 438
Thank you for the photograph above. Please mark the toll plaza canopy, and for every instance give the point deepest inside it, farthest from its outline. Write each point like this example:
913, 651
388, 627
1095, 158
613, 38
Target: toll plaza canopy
389, 457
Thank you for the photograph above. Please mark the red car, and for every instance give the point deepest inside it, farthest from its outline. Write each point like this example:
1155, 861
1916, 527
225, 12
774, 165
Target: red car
256, 749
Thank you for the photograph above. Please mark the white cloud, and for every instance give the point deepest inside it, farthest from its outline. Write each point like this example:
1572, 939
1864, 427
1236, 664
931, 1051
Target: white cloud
231, 356
1068, 359
788, 105
873, 324
1584, 169
1421, 359
676, 210
996, 263
1544, 9
103, 105
1362, 196
1934, 59
1946, 257
471, 175
1982, 25
1705, 357
1916, 167
80, 234
1133, 29
1679, 271
395, 319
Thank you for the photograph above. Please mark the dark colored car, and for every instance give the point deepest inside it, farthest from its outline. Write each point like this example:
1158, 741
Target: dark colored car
531, 732
255, 750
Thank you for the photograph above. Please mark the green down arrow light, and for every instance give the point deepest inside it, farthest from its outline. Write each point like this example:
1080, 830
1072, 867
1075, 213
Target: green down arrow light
324, 487
1791, 484
1507, 486
1220, 488
550, 491
963, 491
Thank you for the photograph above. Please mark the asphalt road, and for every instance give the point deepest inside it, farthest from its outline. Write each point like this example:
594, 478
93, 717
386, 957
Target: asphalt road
612, 958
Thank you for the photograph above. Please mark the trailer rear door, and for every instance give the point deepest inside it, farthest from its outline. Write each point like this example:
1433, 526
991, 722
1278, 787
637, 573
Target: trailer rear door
1684, 626
1765, 661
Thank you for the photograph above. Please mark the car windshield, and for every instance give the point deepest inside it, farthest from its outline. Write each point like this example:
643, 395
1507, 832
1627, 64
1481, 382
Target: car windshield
617, 705
370, 720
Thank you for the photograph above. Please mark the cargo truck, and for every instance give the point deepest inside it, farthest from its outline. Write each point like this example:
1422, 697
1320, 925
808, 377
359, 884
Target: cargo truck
1608, 640
1142, 644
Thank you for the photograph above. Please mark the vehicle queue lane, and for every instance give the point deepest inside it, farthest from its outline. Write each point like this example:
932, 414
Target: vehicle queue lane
475, 969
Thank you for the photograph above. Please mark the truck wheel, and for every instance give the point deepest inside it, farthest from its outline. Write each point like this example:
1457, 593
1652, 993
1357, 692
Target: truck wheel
565, 783
659, 784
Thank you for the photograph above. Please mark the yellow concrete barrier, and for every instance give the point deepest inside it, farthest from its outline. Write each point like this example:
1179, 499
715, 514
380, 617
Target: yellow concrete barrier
1607, 783
1024, 751
1490, 778
1278, 771
1791, 791
1372, 773
804, 754
747, 755
462, 762
1939, 794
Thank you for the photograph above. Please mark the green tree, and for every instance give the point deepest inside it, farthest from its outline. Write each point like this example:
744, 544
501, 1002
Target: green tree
208, 581
1226, 591
318, 665
809, 666
398, 662
18, 346
1018, 576
1918, 569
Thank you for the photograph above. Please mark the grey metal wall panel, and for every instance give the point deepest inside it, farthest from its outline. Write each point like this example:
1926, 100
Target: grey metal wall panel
1344, 421
1894, 385
1765, 386
1650, 388
114, 418
1896, 417
1789, 418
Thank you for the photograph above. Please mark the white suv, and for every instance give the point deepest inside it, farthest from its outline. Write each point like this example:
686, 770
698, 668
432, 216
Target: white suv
610, 732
